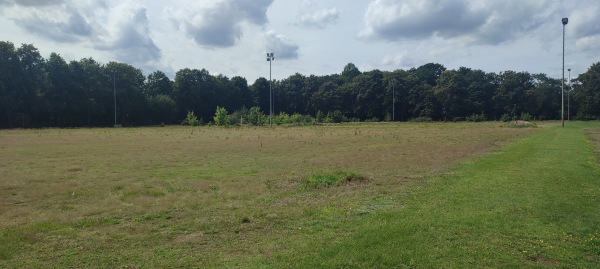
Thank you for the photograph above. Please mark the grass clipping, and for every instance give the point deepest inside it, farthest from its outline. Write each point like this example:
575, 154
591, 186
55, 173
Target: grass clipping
336, 178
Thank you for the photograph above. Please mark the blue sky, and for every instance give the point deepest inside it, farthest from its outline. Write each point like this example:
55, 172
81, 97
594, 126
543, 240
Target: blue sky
231, 37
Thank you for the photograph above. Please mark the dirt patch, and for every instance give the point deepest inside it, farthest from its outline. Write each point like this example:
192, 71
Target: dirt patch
190, 237
544, 261
75, 168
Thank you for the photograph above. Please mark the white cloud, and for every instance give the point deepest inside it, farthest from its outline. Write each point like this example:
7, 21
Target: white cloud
584, 25
319, 19
278, 44
128, 36
312, 16
585, 21
392, 20
588, 43
400, 60
57, 21
231, 36
37, 3
122, 31
469, 20
218, 23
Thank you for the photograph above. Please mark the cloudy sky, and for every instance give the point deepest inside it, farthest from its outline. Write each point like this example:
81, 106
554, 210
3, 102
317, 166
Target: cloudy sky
231, 37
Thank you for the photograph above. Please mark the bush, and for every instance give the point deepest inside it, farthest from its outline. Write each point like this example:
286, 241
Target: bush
256, 116
422, 119
235, 118
191, 119
335, 117
476, 118
320, 118
220, 117
297, 119
526, 117
281, 118
387, 117
505, 117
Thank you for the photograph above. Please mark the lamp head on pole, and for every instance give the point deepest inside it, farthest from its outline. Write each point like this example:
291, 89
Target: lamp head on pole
270, 56
565, 21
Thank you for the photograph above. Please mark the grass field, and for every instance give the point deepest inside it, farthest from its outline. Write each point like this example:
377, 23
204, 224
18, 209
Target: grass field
425, 195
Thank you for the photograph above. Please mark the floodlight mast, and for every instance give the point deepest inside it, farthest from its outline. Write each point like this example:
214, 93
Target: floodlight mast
115, 94
562, 110
569, 97
393, 99
270, 58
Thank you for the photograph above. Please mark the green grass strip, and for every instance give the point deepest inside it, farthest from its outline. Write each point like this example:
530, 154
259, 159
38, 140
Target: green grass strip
534, 204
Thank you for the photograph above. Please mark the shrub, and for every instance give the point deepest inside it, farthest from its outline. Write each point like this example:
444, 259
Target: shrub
526, 117
281, 118
220, 117
387, 117
505, 117
256, 116
422, 119
320, 117
235, 118
296, 119
335, 117
332, 178
191, 119
476, 118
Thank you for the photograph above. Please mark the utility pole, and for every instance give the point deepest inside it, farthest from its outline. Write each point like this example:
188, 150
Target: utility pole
115, 95
270, 58
562, 110
569, 97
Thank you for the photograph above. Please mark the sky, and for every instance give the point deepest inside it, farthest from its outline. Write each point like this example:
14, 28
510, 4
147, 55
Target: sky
232, 37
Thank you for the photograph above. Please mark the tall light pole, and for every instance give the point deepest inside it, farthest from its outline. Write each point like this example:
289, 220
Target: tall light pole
569, 97
562, 110
393, 99
270, 58
115, 94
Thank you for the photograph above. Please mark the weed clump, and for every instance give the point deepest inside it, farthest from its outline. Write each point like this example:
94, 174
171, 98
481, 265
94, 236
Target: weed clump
336, 178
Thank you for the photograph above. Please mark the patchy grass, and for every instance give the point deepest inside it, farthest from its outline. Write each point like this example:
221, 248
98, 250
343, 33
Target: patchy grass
234, 197
332, 179
533, 204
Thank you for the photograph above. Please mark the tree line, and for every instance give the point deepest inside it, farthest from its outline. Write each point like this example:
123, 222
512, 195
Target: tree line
37, 92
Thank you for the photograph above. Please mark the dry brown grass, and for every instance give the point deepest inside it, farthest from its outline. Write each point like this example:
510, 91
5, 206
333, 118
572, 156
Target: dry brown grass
594, 136
160, 196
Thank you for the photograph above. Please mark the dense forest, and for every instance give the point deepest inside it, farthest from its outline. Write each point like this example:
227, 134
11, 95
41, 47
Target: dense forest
37, 92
